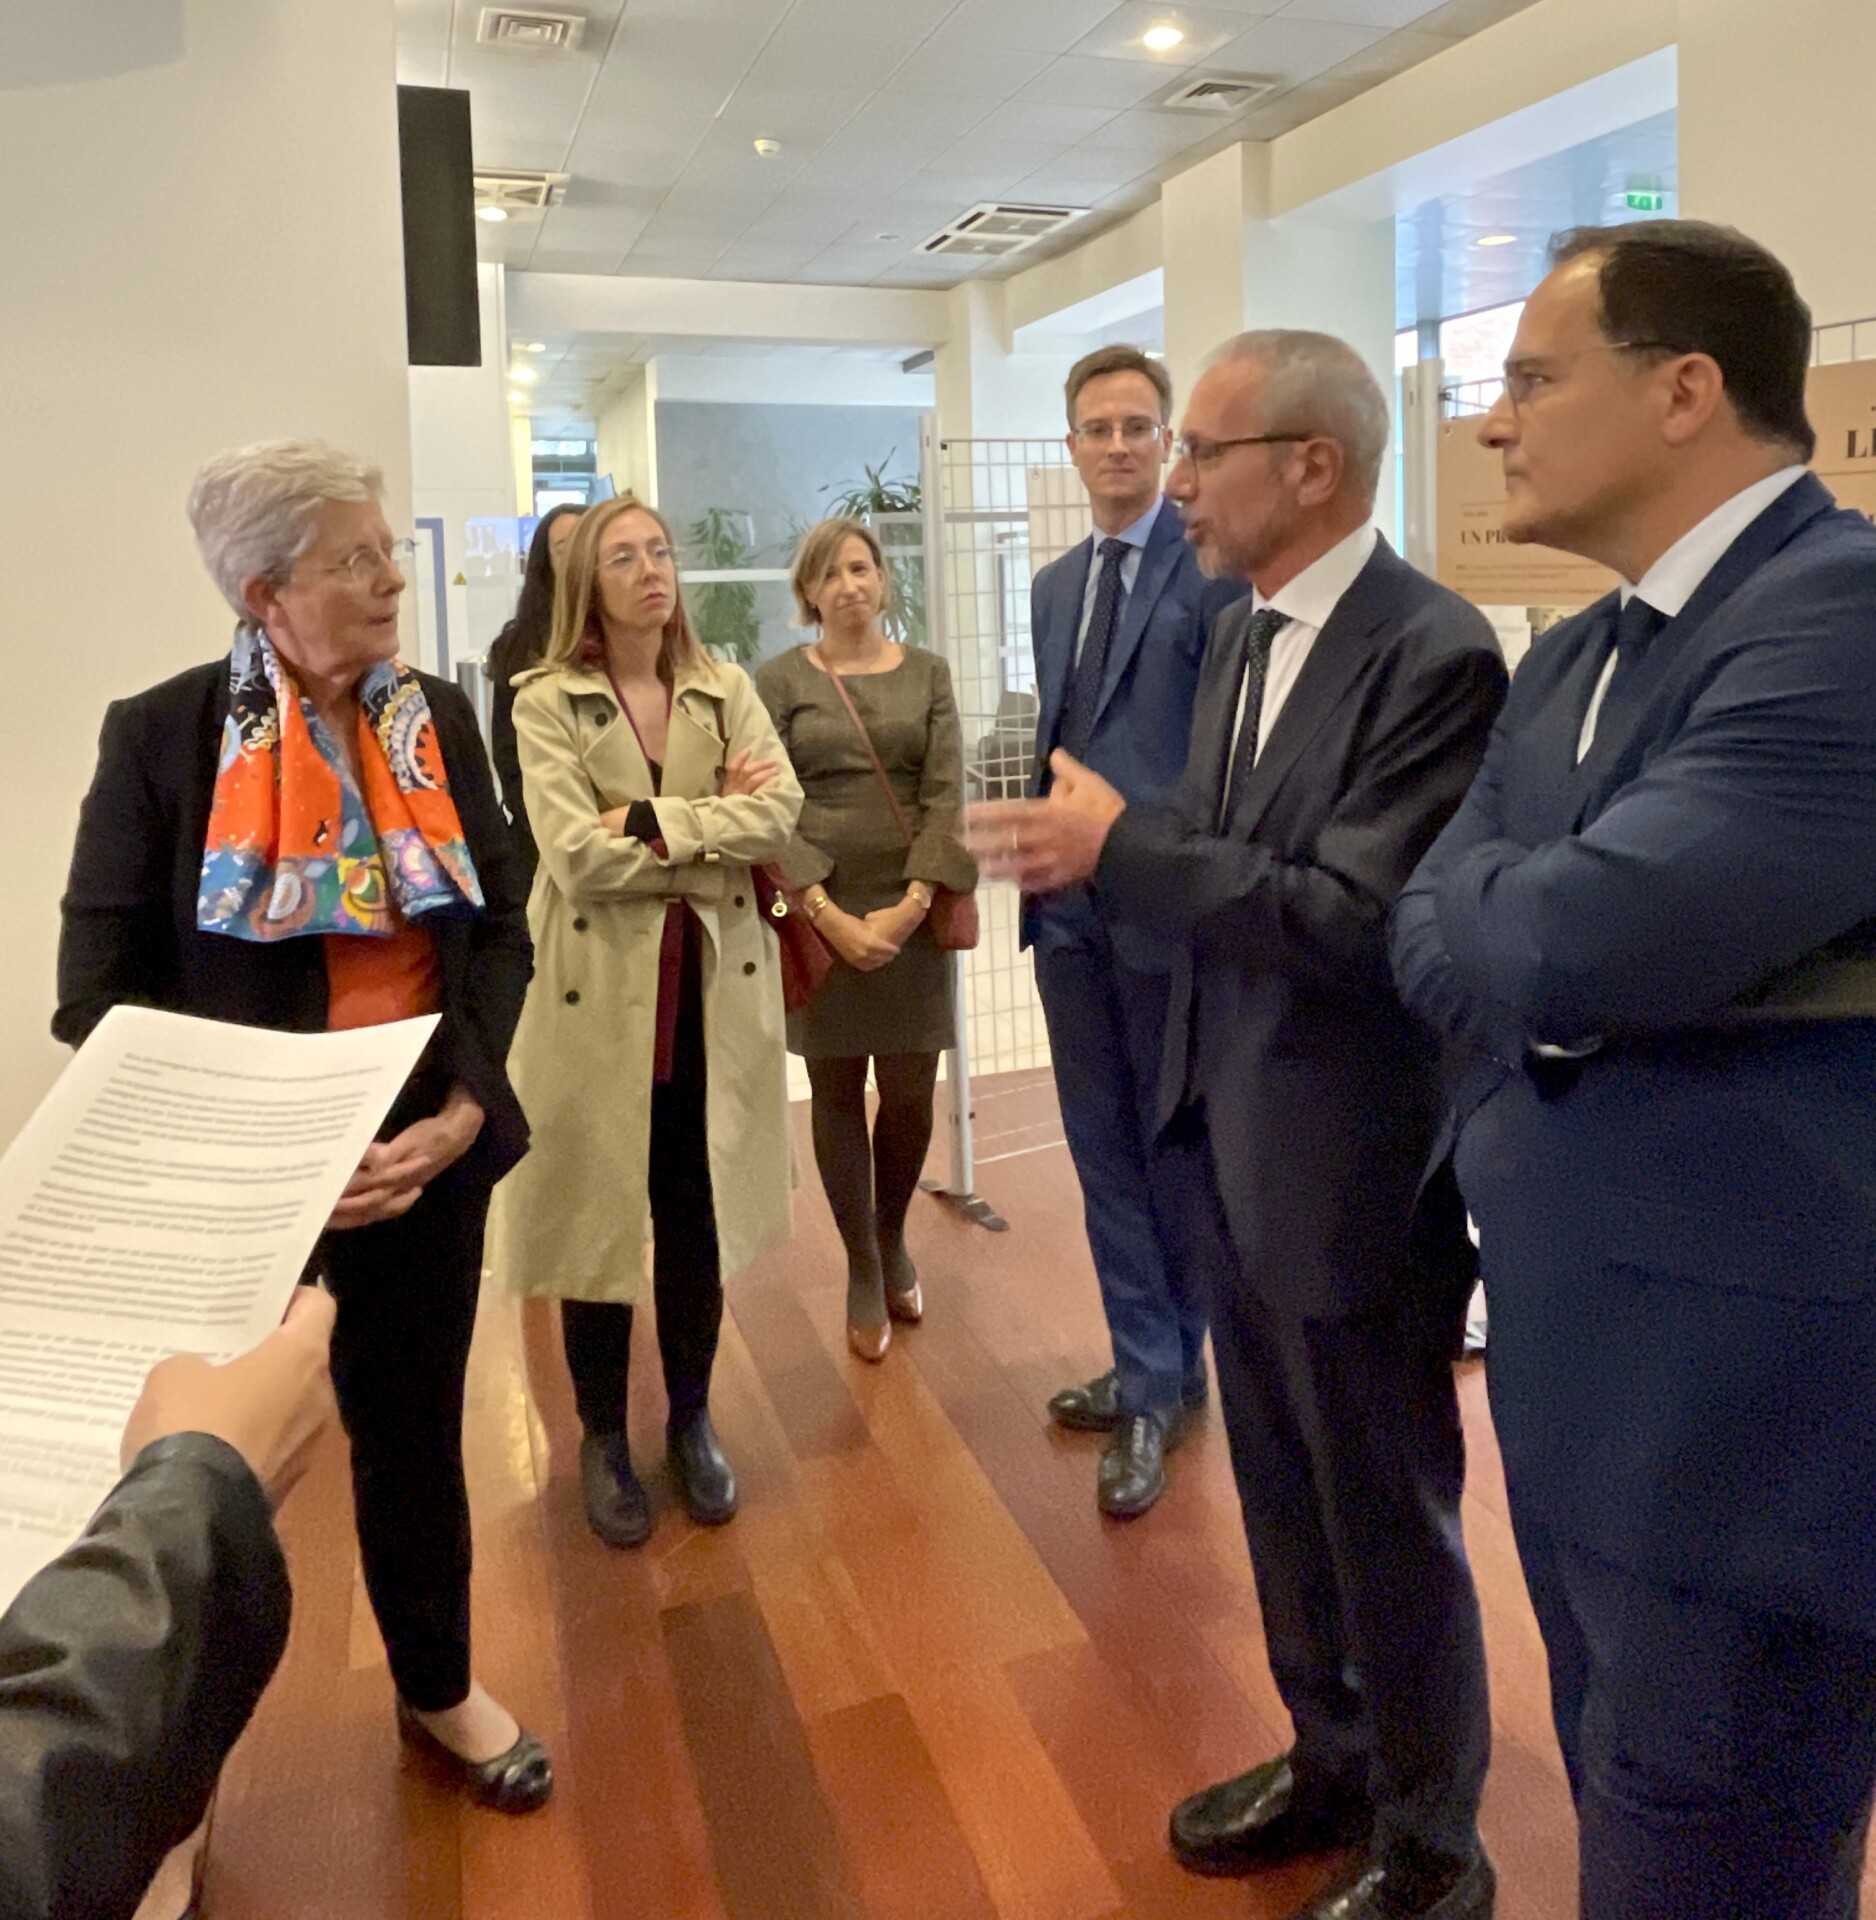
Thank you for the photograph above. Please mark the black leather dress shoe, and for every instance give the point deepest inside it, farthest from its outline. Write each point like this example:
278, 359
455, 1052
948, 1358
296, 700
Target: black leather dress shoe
1409, 1883
517, 1781
1254, 1821
704, 1479
616, 1507
1132, 1474
1093, 1406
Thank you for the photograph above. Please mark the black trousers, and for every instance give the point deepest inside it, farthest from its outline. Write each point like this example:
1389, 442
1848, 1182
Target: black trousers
687, 1275
1350, 1460
406, 1292
1722, 1757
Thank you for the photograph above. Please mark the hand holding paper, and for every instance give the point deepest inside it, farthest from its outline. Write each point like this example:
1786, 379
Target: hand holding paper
270, 1405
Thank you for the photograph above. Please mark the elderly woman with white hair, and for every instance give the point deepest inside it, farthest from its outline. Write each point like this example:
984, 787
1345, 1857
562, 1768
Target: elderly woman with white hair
303, 834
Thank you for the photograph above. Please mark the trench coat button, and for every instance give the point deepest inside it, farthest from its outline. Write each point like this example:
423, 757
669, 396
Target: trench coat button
579, 925
749, 966
573, 996
602, 719
737, 901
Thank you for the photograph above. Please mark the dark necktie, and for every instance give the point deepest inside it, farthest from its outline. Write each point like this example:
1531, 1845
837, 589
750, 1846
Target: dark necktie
1264, 627
1084, 693
1635, 626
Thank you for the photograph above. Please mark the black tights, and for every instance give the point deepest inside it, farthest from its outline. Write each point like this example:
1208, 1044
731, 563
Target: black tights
685, 1271
870, 1182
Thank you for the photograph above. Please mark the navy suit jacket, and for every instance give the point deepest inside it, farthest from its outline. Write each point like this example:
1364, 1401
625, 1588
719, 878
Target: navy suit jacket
1680, 1239
1321, 1096
1144, 720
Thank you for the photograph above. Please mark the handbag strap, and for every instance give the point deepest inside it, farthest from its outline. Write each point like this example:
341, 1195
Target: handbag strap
872, 752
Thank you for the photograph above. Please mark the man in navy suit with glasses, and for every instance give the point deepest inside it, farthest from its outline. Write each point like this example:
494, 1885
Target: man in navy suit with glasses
1120, 624
1651, 927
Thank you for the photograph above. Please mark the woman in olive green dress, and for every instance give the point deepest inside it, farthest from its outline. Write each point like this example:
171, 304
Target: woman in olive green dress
888, 999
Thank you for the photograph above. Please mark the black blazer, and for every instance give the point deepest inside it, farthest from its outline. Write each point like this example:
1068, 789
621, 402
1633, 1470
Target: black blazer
505, 660
128, 1668
1320, 1094
128, 931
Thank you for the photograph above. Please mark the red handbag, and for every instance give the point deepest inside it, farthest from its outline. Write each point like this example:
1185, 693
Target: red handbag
807, 959
952, 917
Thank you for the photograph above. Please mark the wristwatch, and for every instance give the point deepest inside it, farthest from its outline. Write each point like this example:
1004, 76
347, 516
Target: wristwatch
919, 891
814, 905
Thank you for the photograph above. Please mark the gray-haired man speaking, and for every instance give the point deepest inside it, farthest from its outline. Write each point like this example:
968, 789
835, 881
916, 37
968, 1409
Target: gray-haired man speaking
1343, 710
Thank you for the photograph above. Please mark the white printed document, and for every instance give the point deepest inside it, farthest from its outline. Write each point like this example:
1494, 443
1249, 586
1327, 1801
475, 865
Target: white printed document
164, 1199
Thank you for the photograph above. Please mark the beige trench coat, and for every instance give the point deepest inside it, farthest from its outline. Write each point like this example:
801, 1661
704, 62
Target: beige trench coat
572, 1220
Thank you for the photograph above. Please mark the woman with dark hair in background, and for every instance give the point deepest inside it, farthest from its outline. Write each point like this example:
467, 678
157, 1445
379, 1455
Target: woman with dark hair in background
517, 647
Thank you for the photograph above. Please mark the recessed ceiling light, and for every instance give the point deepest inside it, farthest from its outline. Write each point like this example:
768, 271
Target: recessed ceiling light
768, 148
1498, 239
493, 215
535, 346
1162, 39
526, 376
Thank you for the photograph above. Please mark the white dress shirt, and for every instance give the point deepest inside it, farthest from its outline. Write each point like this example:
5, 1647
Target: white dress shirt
1306, 604
1136, 537
1675, 578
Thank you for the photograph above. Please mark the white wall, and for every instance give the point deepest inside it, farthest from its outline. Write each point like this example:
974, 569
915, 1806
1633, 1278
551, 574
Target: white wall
626, 438
463, 467
1775, 137
195, 259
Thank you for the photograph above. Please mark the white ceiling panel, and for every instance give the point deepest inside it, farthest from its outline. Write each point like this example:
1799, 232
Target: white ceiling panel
1118, 36
1041, 26
847, 68
893, 116
422, 23
1033, 123
968, 70
1076, 80
899, 111
1361, 13
1294, 50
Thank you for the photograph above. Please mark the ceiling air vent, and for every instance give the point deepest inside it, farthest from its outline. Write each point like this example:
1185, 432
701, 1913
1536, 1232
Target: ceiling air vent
997, 227
520, 192
1219, 94
530, 32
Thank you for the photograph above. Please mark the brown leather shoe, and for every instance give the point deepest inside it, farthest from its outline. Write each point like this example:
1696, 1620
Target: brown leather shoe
908, 1306
870, 1343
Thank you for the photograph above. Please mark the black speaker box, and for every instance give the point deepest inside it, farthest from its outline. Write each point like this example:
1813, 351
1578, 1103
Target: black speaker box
442, 314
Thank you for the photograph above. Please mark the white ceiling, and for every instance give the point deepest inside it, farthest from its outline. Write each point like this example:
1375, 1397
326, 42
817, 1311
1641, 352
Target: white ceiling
1441, 270
893, 116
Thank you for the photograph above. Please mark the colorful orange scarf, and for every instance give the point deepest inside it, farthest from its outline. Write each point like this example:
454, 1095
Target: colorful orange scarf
294, 847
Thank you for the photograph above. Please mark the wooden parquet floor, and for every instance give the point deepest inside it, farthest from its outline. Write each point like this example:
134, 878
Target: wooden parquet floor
917, 1678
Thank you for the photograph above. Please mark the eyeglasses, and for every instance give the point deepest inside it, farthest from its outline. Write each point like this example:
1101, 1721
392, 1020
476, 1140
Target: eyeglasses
629, 557
368, 562
1206, 454
1524, 378
1130, 433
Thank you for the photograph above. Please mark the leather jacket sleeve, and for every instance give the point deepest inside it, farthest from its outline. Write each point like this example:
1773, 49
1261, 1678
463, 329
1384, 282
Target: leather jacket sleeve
128, 1668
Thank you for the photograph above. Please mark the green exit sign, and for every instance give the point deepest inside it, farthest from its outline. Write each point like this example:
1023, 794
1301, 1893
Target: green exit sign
1645, 199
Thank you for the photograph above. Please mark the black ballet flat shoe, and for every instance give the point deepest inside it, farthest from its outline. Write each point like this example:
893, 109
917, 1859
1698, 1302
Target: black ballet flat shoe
703, 1478
517, 1781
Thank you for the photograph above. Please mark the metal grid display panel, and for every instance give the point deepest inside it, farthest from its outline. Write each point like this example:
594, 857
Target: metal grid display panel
999, 509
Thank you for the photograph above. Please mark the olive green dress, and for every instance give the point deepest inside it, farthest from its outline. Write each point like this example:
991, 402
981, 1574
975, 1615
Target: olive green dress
848, 839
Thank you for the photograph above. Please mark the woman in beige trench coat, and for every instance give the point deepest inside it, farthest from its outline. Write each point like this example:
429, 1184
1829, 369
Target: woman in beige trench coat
650, 1054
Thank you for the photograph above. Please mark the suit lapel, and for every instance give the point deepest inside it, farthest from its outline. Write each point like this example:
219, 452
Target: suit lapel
1335, 662
1055, 657
1160, 557
1612, 760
